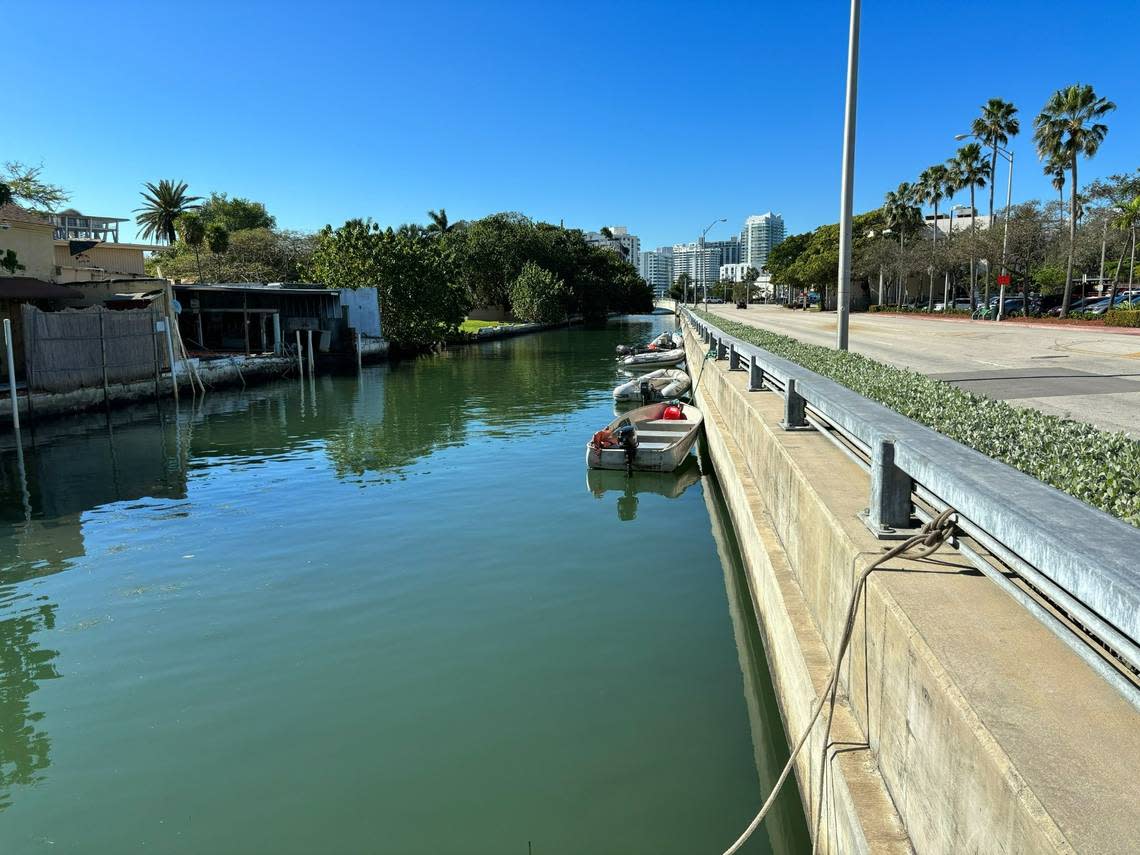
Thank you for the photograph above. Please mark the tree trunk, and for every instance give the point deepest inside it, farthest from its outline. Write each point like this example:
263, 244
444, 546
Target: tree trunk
973, 252
933, 256
990, 224
1068, 298
1119, 265
198, 259
1132, 260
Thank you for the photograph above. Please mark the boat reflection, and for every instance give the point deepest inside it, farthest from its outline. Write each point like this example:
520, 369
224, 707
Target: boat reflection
667, 484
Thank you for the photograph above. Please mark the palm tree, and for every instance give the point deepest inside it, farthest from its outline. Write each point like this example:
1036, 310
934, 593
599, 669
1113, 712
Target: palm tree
932, 186
165, 202
193, 232
902, 215
439, 224
1065, 128
1126, 220
995, 126
972, 173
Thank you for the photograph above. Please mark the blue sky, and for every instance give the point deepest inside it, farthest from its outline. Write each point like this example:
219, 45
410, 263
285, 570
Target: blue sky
659, 116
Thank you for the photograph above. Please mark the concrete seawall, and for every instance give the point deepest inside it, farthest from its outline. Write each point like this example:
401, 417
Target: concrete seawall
964, 725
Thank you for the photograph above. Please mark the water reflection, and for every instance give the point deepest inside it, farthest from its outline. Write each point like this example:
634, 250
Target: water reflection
784, 828
667, 484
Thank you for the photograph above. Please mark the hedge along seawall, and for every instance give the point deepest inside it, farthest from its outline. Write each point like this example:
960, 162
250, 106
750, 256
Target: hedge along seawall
1100, 468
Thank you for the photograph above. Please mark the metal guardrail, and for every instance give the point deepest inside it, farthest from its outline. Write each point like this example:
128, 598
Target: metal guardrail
1080, 561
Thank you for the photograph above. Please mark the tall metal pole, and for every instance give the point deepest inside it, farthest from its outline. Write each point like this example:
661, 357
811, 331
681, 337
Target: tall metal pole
1005, 241
845, 203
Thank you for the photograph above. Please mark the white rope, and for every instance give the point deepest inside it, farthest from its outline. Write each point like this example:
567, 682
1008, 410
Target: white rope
928, 540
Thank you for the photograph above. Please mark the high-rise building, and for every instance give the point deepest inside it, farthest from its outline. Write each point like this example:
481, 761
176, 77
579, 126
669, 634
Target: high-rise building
761, 232
622, 242
702, 260
656, 268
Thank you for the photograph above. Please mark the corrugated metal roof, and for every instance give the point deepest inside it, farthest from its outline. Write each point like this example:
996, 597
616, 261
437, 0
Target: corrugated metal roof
258, 288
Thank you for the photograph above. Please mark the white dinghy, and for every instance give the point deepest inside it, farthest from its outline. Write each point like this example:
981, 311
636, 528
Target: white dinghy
665, 341
653, 438
660, 385
653, 360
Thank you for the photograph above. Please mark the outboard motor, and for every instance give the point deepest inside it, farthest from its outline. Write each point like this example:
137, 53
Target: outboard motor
624, 350
626, 435
648, 393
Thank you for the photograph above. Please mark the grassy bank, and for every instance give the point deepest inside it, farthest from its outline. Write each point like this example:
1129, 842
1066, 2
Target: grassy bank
1097, 467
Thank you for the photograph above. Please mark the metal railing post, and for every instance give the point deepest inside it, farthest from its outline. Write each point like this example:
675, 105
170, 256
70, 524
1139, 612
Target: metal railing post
733, 358
755, 375
890, 506
721, 349
795, 407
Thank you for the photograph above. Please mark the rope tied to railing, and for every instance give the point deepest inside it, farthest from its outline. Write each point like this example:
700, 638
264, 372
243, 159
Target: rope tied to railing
921, 545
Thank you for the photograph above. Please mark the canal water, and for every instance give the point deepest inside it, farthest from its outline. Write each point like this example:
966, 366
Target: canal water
387, 613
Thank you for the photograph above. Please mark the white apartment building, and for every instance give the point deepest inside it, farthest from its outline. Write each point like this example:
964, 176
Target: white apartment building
761, 232
656, 268
703, 261
762, 287
623, 243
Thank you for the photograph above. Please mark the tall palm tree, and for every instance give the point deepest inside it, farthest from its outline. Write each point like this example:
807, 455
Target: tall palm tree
995, 126
1126, 220
997, 123
439, 224
932, 186
1067, 127
973, 174
192, 230
165, 203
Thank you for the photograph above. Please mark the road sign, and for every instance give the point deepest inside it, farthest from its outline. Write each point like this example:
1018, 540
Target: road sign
1003, 279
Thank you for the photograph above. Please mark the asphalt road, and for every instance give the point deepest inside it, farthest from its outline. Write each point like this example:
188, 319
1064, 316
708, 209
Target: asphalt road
1084, 374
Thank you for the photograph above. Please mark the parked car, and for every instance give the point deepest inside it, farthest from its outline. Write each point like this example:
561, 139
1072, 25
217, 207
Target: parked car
1122, 298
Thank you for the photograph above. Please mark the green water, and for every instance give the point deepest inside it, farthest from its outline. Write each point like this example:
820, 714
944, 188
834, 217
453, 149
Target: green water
386, 613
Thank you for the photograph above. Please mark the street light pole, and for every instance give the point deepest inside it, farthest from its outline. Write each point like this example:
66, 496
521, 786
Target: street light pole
700, 260
845, 198
1005, 238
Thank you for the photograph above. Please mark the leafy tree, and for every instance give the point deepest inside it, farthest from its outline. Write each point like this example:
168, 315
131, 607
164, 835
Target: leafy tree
422, 303
192, 231
5, 194
538, 296
164, 202
1069, 126
24, 185
235, 214
679, 290
1127, 220
217, 238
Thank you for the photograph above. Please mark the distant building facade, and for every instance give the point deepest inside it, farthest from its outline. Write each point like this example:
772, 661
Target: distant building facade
760, 234
623, 243
656, 268
702, 260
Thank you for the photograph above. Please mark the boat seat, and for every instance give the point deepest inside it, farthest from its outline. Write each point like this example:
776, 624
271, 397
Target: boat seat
653, 446
675, 425
651, 435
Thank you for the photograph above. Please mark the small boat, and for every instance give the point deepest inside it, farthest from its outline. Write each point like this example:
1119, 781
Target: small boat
653, 438
661, 385
652, 360
665, 341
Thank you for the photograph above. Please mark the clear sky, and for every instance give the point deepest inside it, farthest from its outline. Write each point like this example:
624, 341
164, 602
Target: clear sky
658, 116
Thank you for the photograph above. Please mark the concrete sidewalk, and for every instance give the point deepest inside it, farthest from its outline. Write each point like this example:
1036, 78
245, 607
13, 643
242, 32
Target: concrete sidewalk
1085, 374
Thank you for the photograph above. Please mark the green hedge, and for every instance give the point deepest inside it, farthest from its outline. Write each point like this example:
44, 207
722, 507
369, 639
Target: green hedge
1097, 467
913, 310
1123, 318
